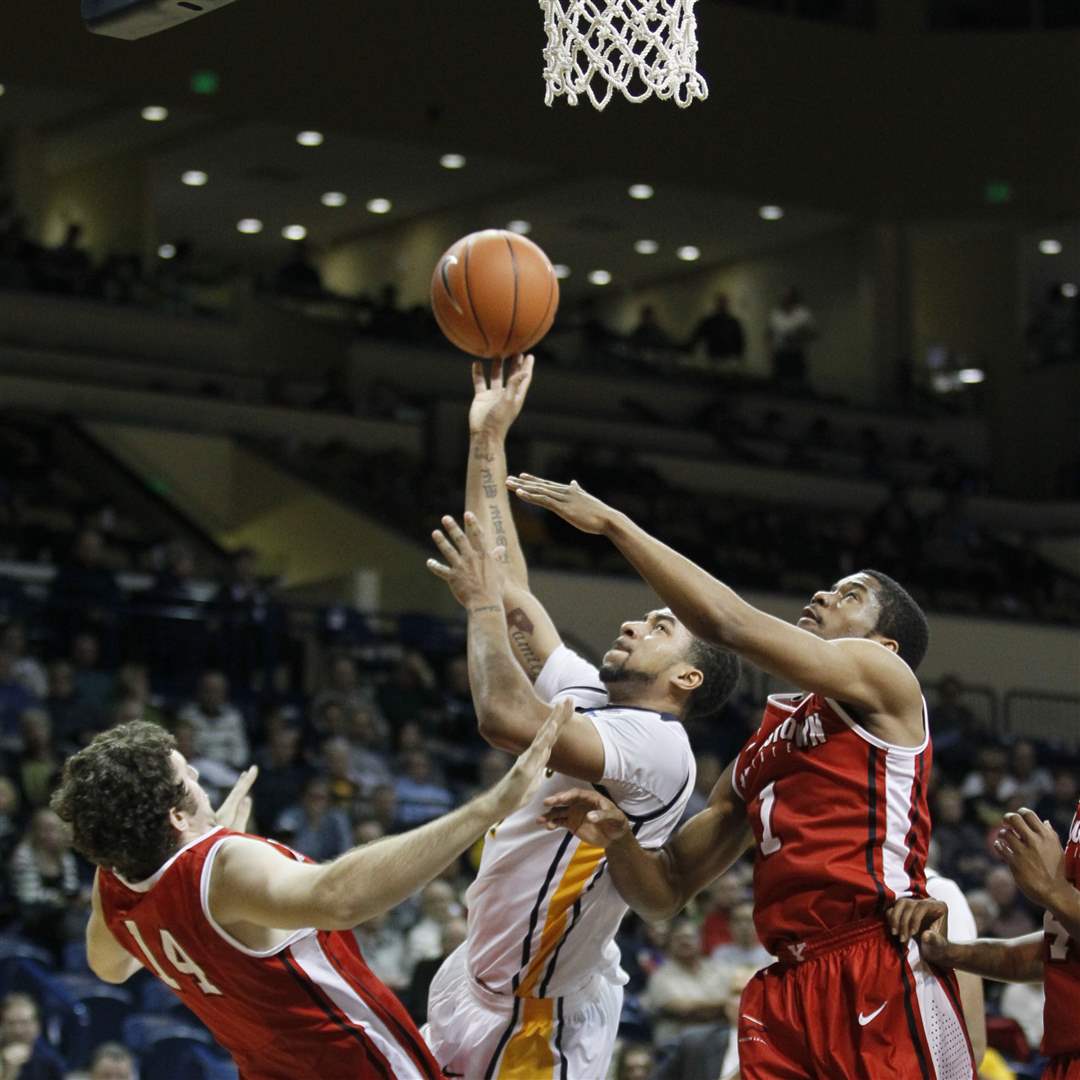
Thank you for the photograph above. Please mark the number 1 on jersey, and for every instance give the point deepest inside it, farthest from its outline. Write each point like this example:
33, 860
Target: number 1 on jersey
769, 843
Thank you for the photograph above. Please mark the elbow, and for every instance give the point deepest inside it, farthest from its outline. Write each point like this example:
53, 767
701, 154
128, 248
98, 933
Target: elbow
497, 728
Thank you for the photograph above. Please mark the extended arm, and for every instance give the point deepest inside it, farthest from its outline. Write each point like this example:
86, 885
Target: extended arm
254, 883
108, 959
494, 408
507, 708
858, 671
659, 884
1002, 959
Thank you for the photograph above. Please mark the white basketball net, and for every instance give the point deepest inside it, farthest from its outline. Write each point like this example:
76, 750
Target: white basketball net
639, 47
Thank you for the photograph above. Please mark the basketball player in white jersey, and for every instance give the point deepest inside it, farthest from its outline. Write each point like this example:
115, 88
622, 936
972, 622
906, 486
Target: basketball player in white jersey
536, 990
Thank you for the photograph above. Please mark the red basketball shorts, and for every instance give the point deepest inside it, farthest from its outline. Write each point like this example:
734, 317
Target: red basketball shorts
1063, 1068
853, 1004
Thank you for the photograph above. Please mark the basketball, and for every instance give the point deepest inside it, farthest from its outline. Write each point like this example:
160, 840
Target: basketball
494, 294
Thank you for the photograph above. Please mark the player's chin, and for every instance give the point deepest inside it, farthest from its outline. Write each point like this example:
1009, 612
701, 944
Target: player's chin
811, 624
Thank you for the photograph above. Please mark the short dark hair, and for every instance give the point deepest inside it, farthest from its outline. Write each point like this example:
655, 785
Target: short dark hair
720, 669
116, 795
901, 619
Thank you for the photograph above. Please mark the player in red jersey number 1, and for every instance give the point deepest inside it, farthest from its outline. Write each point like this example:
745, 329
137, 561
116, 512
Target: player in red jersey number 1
831, 789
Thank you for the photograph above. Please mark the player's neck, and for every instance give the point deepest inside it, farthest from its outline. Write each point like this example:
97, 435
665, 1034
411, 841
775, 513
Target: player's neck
634, 698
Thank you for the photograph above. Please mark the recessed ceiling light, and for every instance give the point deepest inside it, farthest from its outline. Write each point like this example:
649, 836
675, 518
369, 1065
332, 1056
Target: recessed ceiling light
599, 277
167, 251
646, 247
520, 226
3, 89
294, 232
641, 191
334, 198
452, 161
310, 138
379, 206
971, 375
771, 212
155, 113
561, 270
1070, 290
1050, 247
194, 178
688, 253
249, 226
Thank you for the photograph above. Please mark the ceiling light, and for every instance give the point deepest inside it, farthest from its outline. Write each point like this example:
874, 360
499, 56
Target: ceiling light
1050, 247
971, 375
771, 212
3, 89
249, 226
452, 161
641, 191
1070, 290
194, 178
379, 206
599, 277
294, 232
167, 251
689, 253
334, 198
155, 113
561, 270
646, 247
310, 138
519, 226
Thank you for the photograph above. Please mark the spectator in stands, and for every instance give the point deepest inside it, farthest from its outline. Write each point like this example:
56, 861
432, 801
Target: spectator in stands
24, 1054
282, 773
74, 720
649, 334
37, 766
791, 329
719, 902
438, 905
722, 333
1033, 783
15, 699
411, 691
1060, 805
132, 687
420, 797
383, 946
984, 910
368, 765
344, 688
962, 846
11, 823
45, 884
313, 826
85, 589
93, 685
298, 276
744, 949
956, 730
27, 670
1014, 917
382, 806
634, 1062
112, 1061
337, 768
453, 934
220, 732
988, 788
216, 777
457, 715
688, 989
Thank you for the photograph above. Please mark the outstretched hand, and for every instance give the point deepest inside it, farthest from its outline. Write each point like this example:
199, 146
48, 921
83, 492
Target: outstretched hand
587, 814
1033, 852
496, 406
235, 811
570, 501
473, 573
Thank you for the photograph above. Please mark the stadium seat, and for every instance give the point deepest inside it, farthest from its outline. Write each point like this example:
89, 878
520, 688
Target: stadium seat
143, 1032
65, 1020
211, 1066
74, 958
107, 1007
178, 1058
13, 949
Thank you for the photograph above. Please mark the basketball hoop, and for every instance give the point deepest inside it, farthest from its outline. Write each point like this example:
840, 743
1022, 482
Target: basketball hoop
638, 47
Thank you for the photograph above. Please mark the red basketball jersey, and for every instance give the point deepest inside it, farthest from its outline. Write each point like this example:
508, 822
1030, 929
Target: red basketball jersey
1061, 975
309, 1009
840, 818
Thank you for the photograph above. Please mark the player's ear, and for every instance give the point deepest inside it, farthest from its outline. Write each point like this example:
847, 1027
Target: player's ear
687, 678
890, 643
177, 819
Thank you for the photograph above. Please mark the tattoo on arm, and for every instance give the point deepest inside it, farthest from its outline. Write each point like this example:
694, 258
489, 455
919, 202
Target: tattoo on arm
521, 627
483, 453
484, 608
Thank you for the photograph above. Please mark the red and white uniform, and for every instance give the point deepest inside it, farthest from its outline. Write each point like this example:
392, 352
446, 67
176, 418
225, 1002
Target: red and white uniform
842, 828
1061, 979
309, 1009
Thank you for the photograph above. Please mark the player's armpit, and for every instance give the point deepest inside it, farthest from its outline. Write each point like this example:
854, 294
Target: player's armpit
533, 636
107, 958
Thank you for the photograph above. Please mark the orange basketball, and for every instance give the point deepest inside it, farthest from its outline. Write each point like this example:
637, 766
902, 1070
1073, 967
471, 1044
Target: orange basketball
494, 294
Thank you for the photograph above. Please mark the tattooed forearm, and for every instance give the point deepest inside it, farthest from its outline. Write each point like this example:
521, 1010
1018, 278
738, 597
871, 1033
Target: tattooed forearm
521, 627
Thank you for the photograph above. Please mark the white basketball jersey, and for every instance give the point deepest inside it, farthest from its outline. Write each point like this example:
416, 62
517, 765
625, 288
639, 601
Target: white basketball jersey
543, 912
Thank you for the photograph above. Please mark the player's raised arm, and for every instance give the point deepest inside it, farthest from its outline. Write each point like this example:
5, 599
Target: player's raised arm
860, 671
507, 708
253, 882
108, 959
495, 407
659, 883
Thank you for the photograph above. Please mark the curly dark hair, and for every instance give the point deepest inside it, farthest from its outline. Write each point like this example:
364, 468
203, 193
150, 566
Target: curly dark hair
721, 670
901, 619
116, 795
